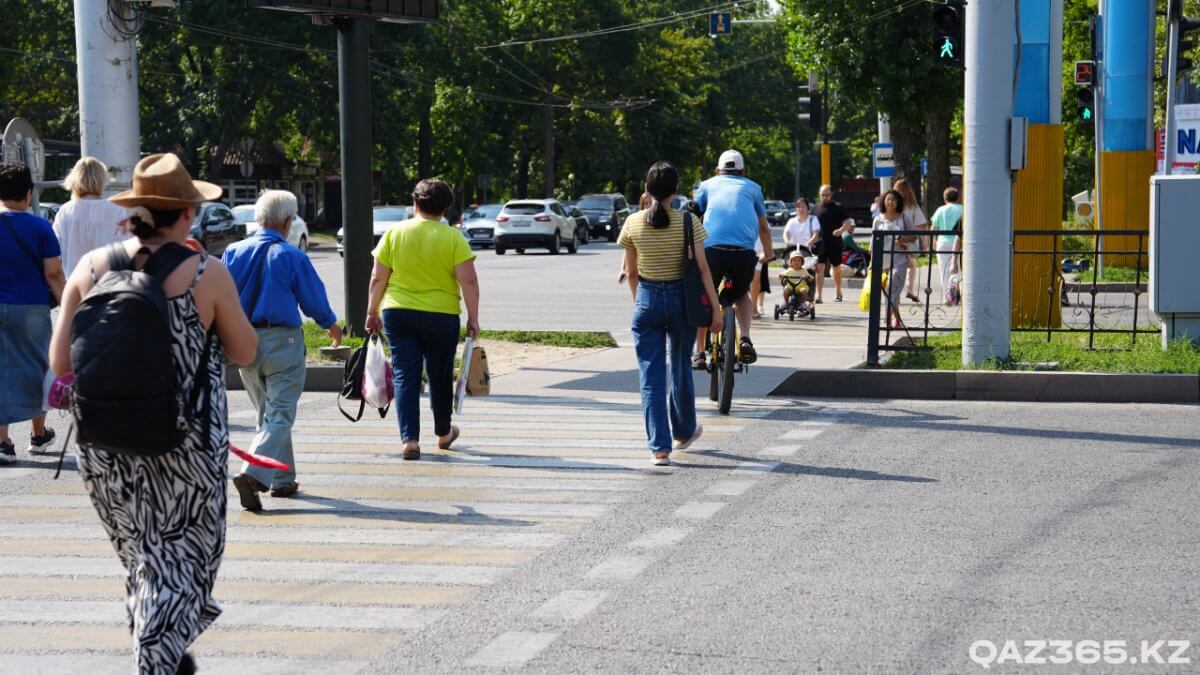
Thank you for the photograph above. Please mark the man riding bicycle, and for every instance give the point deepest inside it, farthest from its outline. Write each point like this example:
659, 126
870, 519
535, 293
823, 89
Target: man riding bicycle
735, 217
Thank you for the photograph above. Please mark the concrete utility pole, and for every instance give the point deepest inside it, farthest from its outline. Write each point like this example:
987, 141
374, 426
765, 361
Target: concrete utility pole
548, 131
354, 88
885, 136
987, 230
107, 72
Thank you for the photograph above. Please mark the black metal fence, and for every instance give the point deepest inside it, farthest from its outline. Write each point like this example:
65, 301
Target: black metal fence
1063, 266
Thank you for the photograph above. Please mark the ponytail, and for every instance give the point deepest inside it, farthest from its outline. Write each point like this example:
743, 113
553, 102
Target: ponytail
145, 223
662, 181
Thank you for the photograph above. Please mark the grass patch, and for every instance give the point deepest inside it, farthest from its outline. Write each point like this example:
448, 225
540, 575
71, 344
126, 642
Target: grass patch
315, 337
1120, 275
557, 338
1112, 354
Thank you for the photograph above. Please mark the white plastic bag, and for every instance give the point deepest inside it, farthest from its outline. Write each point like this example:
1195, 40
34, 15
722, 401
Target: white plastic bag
377, 387
460, 385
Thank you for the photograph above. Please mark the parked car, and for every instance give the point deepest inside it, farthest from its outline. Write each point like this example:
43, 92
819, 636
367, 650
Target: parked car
382, 218
777, 213
535, 223
582, 229
479, 224
48, 210
297, 235
606, 213
215, 227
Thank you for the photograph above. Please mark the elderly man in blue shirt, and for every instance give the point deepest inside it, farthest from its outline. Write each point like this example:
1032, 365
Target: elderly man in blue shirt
275, 282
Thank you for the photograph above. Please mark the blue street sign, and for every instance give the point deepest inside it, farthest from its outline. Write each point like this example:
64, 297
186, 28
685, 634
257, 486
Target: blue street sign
924, 166
720, 23
883, 161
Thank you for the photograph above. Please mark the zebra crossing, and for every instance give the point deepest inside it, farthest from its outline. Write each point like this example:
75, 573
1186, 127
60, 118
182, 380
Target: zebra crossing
372, 546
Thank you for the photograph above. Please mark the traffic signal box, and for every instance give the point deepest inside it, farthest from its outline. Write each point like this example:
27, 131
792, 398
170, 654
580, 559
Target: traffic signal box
948, 27
1085, 96
815, 115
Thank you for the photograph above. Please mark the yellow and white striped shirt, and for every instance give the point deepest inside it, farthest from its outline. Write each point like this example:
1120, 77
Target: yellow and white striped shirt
660, 252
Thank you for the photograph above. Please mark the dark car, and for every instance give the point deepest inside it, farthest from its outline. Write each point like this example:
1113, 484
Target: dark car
777, 213
582, 226
605, 214
215, 227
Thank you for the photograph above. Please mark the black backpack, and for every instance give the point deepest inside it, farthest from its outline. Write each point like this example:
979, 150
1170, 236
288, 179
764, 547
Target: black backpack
125, 398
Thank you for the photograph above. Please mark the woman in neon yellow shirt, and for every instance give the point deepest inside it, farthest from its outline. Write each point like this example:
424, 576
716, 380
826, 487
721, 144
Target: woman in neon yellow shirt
417, 309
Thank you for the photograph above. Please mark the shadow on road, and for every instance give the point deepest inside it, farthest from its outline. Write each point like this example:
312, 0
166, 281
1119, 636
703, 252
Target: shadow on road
346, 508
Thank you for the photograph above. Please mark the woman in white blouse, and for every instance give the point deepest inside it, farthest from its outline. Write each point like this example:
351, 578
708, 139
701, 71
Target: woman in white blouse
802, 229
88, 221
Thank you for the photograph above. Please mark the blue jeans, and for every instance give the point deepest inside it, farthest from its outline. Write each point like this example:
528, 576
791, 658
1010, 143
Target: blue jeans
660, 327
274, 383
24, 360
422, 338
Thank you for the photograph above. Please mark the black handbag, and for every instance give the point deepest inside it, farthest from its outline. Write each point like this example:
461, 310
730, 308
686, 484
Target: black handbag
695, 295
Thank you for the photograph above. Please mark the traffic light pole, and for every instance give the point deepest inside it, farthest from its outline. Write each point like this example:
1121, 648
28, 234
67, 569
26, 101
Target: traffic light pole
354, 85
1170, 132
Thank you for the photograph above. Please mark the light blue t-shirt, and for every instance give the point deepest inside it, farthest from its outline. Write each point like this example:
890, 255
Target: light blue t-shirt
945, 219
731, 206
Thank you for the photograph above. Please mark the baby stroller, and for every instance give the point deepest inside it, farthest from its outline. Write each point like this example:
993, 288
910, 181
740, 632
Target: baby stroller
794, 307
855, 257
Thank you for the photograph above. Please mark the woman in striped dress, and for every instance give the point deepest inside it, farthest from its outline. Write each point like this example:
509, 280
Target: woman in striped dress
165, 514
653, 240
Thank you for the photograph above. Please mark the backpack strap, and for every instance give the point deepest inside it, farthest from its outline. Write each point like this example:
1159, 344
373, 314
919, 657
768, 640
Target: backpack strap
118, 258
164, 261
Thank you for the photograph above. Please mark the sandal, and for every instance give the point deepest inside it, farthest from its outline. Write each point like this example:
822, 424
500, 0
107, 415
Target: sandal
698, 361
452, 436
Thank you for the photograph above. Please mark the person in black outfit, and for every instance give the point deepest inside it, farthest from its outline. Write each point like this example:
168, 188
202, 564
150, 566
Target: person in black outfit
834, 223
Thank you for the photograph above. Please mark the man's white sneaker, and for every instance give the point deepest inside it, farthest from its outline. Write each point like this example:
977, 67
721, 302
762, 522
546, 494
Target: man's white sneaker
8, 454
684, 445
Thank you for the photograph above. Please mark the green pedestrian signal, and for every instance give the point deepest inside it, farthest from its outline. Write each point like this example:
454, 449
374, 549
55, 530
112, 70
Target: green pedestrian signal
947, 50
1085, 101
948, 32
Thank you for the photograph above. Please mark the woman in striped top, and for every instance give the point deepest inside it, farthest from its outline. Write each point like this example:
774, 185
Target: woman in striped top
653, 240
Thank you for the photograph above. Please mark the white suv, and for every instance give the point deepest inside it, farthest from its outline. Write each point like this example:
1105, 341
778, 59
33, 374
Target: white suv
535, 223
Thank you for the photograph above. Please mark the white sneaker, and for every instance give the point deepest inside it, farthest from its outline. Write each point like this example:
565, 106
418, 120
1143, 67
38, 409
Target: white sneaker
662, 461
684, 445
42, 445
8, 454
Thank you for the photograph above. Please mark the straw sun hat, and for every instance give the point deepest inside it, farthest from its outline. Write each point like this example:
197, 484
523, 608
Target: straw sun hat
160, 182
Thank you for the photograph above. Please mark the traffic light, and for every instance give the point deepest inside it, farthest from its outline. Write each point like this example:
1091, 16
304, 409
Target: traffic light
1085, 100
948, 33
815, 114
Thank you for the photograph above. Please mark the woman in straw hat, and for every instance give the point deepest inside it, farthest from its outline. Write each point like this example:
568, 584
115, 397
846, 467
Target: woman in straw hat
165, 514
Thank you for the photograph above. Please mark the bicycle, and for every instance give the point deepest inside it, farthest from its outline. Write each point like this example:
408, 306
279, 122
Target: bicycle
725, 354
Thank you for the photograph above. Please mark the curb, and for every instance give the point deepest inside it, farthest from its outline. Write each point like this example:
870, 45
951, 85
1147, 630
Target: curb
318, 378
982, 385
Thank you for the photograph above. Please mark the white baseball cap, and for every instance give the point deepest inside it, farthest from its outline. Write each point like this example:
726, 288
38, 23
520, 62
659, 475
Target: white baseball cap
731, 160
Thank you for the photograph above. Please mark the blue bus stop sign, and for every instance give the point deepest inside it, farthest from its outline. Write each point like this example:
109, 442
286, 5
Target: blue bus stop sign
883, 161
720, 23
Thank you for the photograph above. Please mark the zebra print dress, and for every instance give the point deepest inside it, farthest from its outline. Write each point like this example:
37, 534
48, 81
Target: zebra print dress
165, 515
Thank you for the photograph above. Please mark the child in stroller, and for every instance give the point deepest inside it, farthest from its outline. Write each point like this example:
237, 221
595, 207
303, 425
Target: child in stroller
857, 258
795, 280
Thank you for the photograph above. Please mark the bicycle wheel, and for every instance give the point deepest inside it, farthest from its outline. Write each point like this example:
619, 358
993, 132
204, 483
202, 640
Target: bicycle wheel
713, 348
729, 342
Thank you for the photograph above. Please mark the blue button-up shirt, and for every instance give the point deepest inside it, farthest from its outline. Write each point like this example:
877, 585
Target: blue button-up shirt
288, 280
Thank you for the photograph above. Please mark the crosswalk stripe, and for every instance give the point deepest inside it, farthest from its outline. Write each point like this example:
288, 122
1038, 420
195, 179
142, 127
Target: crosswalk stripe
312, 441
303, 452
42, 612
46, 566
282, 552
508, 461
327, 643
511, 650
103, 664
249, 591
463, 537
347, 489
570, 605
396, 519
408, 470
619, 568
311, 504
504, 423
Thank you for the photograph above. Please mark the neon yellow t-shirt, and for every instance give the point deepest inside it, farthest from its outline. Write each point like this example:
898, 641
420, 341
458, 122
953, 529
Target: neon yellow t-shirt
422, 255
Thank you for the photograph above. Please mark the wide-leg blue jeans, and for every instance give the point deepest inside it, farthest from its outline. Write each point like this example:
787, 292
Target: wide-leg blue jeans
660, 328
419, 339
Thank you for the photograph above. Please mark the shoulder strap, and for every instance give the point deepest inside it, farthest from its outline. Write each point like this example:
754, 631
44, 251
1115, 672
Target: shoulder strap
689, 241
164, 261
21, 243
118, 258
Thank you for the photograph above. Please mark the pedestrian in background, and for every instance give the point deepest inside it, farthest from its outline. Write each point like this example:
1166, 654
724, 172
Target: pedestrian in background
916, 220
834, 222
88, 221
165, 513
653, 240
896, 259
802, 230
948, 221
31, 276
421, 269
273, 278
